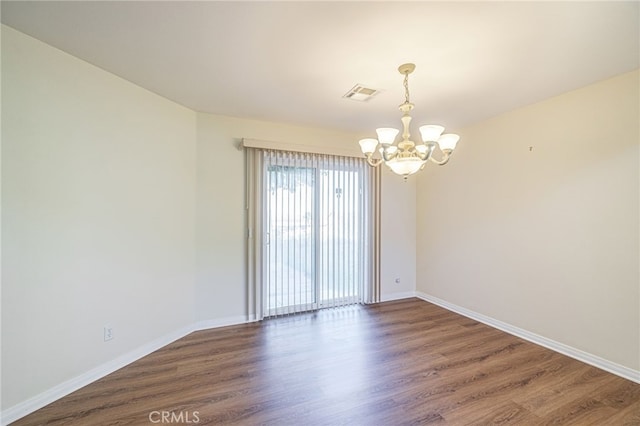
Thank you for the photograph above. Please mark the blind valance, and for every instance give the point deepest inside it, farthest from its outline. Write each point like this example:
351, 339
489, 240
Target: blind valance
310, 149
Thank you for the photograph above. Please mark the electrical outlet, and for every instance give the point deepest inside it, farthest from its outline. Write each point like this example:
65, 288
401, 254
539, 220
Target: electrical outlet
108, 332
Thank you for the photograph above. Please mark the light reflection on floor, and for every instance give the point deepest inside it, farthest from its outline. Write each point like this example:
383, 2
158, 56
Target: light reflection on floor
337, 343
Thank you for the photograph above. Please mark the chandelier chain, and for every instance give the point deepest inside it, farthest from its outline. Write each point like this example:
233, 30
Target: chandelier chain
406, 88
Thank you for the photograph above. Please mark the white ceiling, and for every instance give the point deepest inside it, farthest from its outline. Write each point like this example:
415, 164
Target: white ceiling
292, 61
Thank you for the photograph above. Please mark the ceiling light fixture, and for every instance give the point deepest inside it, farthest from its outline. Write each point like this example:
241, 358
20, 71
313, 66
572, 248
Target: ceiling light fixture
406, 157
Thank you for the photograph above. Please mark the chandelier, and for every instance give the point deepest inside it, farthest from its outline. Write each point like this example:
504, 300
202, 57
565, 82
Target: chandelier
407, 157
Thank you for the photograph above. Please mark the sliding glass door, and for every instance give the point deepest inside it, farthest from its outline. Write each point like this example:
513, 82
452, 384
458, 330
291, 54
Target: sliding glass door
314, 219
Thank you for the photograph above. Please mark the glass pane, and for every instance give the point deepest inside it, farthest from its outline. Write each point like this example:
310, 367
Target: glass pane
340, 239
291, 248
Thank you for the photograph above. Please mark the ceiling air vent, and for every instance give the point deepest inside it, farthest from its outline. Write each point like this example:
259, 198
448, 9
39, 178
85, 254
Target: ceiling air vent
361, 93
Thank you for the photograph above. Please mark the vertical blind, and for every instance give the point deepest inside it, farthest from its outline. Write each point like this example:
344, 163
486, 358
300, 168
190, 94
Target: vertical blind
314, 241
314, 220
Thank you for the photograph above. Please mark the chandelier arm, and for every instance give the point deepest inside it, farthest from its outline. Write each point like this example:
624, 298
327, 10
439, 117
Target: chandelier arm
387, 156
423, 157
427, 154
373, 162
445, 159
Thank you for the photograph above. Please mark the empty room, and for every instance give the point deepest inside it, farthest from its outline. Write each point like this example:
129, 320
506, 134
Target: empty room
320, 213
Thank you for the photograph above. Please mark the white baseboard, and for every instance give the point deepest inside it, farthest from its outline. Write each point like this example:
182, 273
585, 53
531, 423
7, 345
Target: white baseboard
397, 296
222, 322
603, 364
47, 397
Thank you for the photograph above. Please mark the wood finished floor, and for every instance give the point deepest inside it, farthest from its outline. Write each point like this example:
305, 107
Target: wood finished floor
396, 363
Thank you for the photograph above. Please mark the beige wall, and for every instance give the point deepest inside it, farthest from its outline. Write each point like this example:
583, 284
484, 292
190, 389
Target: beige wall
535, 221
398, 243
98, 216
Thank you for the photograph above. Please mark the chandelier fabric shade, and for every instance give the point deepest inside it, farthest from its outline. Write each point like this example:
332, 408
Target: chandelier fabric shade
407, 157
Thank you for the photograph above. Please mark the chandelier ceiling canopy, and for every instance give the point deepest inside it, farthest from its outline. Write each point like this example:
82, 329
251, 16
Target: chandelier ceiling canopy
407, 157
